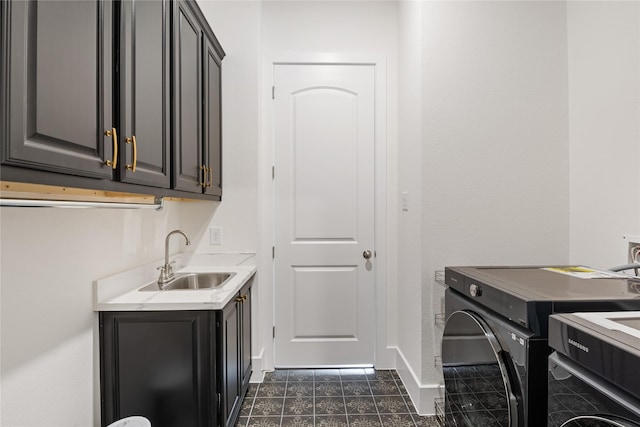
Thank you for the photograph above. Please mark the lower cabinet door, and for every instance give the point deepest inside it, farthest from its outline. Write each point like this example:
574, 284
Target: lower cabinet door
158, 365
229, 347
245, 339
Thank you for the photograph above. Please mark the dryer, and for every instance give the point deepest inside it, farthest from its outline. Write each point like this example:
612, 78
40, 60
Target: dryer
495, 340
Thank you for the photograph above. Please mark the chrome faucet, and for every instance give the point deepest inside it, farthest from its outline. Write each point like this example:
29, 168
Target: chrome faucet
166, 271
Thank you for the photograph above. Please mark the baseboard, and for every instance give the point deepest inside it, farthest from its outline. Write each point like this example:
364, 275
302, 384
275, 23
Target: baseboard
423, 396
386, 358
257, 376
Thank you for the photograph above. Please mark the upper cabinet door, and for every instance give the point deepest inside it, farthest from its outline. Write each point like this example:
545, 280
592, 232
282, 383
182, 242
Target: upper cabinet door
57, 85
189, 171
213, 120
145, 92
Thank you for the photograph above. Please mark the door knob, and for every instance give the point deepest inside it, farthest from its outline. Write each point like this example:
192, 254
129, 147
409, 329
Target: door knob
367, 254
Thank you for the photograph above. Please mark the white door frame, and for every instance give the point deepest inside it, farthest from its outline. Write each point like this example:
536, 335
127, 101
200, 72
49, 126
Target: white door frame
264, 314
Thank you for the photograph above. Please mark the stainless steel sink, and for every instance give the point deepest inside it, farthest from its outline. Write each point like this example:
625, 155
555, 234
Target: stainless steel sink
191, 281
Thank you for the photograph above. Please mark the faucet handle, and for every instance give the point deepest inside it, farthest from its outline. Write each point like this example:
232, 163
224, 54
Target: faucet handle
163, 276
170, 268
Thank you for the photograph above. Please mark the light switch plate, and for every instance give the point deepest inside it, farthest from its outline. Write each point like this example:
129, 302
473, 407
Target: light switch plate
404, 201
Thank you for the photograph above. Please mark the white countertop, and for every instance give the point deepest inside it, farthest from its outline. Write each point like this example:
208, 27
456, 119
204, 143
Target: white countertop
120, 291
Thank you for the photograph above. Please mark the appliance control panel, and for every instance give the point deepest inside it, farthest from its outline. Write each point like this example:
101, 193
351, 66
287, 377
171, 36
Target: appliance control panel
525, 313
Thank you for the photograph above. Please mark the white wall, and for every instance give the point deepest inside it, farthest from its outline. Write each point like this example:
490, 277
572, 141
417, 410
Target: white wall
237, 27
604, 125
331, 26
409, 254
49, 259
495, 155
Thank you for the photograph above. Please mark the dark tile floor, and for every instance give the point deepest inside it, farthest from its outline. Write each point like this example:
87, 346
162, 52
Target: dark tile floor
330, 398
475, 396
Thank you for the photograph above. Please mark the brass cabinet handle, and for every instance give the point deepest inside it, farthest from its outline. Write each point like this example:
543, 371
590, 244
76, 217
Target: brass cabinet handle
114, 161
239, 299
210, 178
132, 167
204, 176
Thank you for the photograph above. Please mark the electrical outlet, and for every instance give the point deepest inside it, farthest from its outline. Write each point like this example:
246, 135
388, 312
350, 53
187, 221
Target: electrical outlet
215, 236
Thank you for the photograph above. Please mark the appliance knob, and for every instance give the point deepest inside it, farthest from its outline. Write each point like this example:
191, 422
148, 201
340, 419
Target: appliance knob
475, 290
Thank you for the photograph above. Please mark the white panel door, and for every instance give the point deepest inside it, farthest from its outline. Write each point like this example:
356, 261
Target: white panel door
324, 215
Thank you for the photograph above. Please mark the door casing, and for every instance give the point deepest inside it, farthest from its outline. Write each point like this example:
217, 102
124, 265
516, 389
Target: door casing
324, 215
385, 354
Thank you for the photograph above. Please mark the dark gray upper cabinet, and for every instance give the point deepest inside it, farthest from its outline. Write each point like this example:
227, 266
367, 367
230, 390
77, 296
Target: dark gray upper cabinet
57, 86
144, 96
213, 116
189, 173
111, 95
197, 104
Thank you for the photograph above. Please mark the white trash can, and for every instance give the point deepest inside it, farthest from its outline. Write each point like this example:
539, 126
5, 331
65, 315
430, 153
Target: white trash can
131, 422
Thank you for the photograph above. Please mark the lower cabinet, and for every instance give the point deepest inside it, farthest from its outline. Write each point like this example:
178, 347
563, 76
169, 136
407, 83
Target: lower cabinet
232, 323
176, 368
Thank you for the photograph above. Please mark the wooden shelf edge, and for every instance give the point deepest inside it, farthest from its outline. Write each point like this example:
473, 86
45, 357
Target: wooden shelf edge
19, 190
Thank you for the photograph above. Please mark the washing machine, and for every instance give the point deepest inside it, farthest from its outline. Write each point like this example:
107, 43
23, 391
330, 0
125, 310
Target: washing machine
594, 370
495, 339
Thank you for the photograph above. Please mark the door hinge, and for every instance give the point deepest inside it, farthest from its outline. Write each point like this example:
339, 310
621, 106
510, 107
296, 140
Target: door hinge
273, 92
273, 252
274, 332
273, 173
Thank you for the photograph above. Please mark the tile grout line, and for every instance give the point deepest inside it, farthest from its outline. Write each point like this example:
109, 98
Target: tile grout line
284, 399
375, 404
344, 400
250, 408
313, 397
404, 400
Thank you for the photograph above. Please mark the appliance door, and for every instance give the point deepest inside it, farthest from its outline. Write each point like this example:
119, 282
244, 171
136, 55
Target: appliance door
598, 421
478, 374
578, 398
